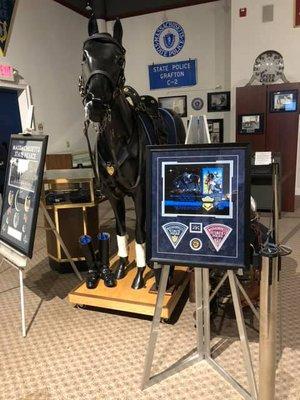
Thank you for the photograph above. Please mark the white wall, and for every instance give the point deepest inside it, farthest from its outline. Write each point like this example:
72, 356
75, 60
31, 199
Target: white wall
207, 30
45, 47
250, 37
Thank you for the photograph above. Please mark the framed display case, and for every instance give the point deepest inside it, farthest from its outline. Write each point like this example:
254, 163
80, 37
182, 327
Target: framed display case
22, 189
198, 211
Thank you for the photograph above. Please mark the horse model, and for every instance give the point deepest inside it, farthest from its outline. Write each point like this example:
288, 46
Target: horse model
126, 125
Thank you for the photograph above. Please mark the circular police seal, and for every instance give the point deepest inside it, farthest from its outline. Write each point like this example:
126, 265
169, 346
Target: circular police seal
195, 244
169, 39
197, 103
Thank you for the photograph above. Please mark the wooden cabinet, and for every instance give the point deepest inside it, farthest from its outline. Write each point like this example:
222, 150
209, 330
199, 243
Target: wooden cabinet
71, 219
280, 133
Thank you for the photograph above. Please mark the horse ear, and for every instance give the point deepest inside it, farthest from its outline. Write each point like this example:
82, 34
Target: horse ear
118, 31
93, 26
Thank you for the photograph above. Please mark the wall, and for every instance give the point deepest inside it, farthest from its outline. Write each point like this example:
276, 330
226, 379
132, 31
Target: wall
250, 37
45, 47
207, 30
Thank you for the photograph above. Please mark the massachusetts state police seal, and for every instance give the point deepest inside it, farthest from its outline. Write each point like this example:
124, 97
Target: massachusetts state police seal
169, 39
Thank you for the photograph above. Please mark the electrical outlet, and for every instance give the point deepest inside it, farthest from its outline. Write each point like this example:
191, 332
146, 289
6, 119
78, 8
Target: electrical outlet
68, 144
40, 127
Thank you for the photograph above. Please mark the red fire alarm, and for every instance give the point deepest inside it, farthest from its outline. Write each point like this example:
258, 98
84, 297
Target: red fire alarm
243, 12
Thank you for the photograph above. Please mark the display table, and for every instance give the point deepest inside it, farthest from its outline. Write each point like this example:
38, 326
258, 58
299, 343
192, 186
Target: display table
124, 298
70, 201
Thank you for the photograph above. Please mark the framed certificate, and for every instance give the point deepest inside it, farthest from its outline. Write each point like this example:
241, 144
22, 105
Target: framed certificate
198, 210
21, 197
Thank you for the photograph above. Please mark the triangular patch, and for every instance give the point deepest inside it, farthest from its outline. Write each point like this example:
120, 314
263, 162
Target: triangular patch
175, 232
217, 234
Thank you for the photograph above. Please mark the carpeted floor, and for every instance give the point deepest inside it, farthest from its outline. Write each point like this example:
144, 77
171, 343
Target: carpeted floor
72, 353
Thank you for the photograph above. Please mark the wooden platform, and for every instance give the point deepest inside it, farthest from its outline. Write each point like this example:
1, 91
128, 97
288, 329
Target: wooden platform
124, 298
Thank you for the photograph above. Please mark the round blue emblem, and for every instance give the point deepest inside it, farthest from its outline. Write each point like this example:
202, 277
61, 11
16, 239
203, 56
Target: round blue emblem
169, 39
197, 103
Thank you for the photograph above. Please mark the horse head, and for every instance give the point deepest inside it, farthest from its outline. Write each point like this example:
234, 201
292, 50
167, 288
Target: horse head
103, 64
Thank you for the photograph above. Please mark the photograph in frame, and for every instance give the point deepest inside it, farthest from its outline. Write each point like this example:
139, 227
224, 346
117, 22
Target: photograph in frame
177, 104
198, 208
216, 130
218, 101
284, 101
251, 124
21, 196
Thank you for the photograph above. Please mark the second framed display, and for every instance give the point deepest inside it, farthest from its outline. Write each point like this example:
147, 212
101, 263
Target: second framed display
218, 101
199, 204
284, 101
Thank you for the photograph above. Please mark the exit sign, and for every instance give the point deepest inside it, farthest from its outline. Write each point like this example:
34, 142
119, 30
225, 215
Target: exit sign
6, 72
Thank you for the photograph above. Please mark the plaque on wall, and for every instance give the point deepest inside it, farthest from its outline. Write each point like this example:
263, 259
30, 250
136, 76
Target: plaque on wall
198, 210
251, 124
21, 196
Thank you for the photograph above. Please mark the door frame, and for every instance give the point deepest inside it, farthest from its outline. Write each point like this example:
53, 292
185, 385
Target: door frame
25, 103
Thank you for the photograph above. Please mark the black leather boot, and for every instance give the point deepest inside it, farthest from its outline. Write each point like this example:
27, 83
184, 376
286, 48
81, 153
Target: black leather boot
139, 282
120, 271
108, 277
93, 275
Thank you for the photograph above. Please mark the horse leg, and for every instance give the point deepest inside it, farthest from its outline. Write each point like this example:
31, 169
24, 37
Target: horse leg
118, 206
140, 237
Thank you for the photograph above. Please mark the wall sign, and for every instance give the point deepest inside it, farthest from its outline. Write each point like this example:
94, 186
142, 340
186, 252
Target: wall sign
169, 39
7, 8
175, 74
199, 203
21, 197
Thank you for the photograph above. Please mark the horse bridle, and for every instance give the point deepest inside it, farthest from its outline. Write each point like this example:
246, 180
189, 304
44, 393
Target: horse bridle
117, 83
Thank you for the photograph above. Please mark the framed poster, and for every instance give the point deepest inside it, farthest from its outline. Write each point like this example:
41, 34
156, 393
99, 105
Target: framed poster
284, 101
21, 197
297, 14
177, 104
216, 130
251, 124
218, 101
7, 13
198, 210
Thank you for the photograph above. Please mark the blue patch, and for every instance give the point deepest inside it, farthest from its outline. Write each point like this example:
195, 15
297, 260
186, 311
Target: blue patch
169, 39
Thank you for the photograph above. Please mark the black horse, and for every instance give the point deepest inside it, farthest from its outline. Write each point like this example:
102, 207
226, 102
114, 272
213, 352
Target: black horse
124, 129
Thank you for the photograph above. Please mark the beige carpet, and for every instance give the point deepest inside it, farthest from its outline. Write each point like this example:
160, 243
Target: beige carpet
72, 353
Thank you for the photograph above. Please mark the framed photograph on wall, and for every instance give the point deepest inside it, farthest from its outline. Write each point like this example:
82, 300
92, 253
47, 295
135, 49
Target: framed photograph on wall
198, 205
218, 101
216, 130
251, 124
284, 101
177, 104
22, 190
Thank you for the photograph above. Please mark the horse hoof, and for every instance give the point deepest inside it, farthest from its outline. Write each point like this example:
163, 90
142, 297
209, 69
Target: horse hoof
120, 271
139, 282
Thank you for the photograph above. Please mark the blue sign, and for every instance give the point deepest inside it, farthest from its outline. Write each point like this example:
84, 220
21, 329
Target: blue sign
175, 74
169, 39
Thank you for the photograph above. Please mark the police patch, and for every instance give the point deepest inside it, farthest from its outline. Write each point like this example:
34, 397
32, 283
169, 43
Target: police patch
217, 234
175, 232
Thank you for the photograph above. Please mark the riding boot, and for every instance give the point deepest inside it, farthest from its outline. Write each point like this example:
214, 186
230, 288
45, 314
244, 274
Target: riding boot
93, 275
139, 282
120, 271
105, 272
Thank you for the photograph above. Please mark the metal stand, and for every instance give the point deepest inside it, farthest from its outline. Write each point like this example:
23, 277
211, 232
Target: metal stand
22, 301
203, 352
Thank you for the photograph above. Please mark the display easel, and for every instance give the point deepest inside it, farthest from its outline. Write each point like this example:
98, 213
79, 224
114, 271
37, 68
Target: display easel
203, 351
19, 261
